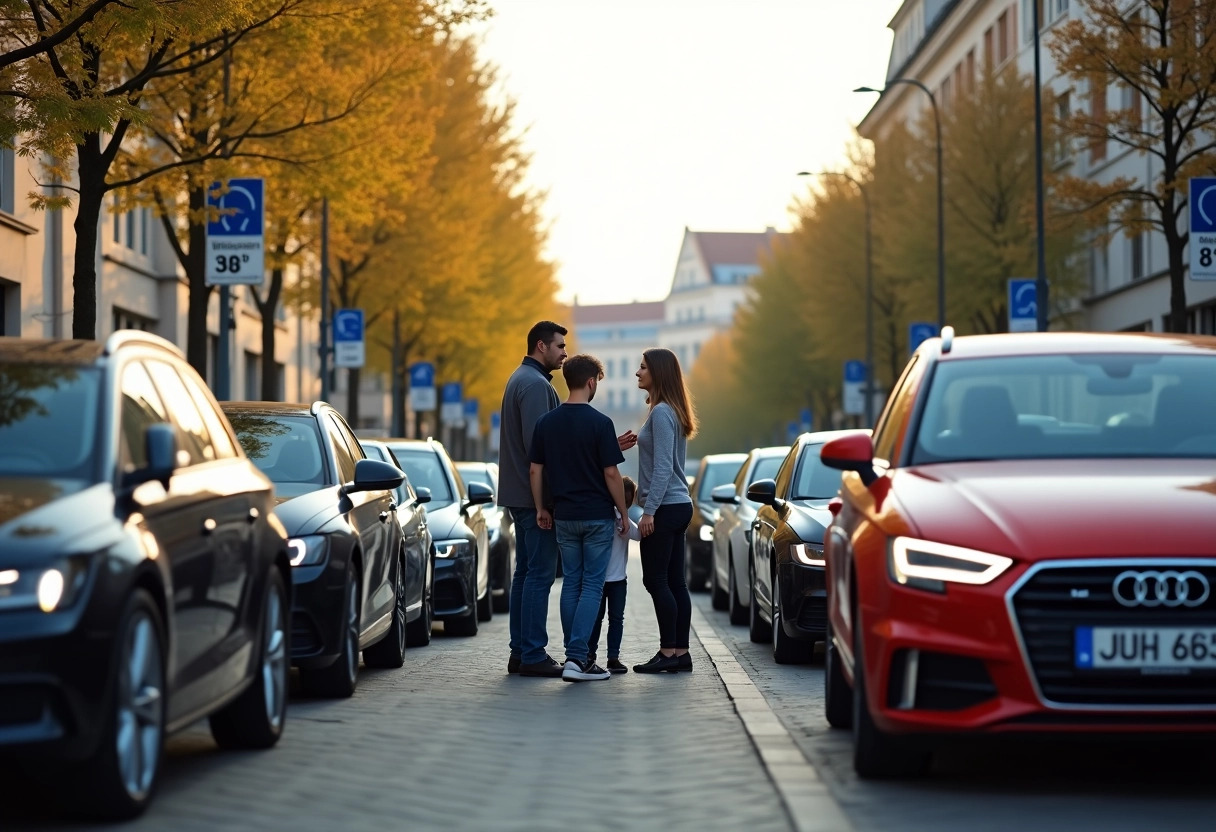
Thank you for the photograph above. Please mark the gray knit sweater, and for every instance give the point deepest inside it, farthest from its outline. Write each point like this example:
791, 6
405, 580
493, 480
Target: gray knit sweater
662, 448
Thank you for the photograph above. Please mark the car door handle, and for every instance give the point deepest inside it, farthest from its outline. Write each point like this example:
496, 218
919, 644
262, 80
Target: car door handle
254, 514
209, 525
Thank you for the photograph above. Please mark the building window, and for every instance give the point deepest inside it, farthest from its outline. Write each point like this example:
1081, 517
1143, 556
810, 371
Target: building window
1201, 320
117, 220
1129, 101
969, 75
1097, 113
4, 328
989, 58
143, 230
1063, 113
122, 319
1028, 18
253, 366
1137, 256
8, 177
1099, 267
1002, 38
611, 399
696, 351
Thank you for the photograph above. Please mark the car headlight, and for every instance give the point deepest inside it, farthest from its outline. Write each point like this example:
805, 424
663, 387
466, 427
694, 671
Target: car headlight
707, 533
927, 565
308, 550
807, 554
49, 587
452, 548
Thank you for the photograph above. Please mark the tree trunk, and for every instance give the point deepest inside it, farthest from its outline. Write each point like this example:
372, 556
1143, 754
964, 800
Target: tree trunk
196, 278
268, 308
1175, 245
91, 169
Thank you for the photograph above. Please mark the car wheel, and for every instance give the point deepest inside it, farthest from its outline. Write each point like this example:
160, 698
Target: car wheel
757, 630
418, 631
255, 719
717, 595
786, 648
338, 681
877, 754
485, 604
389, 652
738, 612
118, 782
837, 696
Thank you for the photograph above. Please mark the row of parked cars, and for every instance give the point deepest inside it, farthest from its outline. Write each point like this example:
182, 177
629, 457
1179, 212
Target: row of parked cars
1023, 546
165, 558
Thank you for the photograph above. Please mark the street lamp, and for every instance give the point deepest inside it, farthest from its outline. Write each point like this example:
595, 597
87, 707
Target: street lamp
1040, 284
941, 216
865, 199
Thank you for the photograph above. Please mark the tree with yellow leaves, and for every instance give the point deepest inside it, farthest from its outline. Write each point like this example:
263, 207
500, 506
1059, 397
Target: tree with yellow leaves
1162, 53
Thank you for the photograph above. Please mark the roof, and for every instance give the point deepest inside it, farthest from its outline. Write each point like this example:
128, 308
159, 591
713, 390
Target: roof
734, 248
1057, 343
611, 313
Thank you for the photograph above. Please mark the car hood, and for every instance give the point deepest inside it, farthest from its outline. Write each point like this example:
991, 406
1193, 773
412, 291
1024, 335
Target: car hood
54, 516
1049, 509
809, 519
447, 523
308, 513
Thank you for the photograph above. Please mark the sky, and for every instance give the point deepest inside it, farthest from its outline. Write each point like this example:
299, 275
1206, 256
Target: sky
646, 116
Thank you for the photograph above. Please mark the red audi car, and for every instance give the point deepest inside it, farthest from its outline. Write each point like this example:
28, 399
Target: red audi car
1027, 544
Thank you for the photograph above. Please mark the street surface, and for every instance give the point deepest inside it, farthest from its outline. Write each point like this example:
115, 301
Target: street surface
453, 743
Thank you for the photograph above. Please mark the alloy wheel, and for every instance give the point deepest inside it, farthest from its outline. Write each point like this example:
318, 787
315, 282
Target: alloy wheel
274, 659
352, 627
140, 707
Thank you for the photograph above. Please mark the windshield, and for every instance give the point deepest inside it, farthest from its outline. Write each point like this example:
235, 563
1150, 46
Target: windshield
766, 469
285, 448
49, 421
425, 470
815, 481
717, 472
1069, 406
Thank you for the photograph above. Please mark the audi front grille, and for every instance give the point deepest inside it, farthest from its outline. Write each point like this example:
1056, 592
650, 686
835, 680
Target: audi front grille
1052, 600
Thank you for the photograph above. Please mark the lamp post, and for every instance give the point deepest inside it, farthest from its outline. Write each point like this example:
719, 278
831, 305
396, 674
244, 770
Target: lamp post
865, 200
941, 216
1040, 283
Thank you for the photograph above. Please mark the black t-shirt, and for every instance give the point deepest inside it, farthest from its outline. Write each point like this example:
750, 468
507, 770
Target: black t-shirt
576, 443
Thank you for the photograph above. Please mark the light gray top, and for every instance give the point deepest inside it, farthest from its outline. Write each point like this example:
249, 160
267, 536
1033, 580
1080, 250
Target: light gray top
662, 449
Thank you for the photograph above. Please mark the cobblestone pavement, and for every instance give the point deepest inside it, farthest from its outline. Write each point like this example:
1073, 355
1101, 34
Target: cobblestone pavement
451, 742
1061, 786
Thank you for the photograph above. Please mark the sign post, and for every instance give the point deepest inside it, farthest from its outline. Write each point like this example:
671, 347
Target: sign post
1202, 216
495, 431
422, 387
453, 403
349, 348
808, 420
1023, 304
918, 333
472, 419
853, 400
234, 254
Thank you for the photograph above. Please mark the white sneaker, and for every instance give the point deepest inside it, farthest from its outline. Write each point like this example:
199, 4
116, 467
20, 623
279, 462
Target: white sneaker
588, 671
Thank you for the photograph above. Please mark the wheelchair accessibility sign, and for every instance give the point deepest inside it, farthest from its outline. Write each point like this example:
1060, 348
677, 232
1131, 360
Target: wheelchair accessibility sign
236, 250
1202, 215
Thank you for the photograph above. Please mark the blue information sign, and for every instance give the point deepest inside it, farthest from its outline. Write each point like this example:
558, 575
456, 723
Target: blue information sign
452, 398
348, 338
919, 332
1202, 215
422, 386
1023, 304
808, 421
235, 244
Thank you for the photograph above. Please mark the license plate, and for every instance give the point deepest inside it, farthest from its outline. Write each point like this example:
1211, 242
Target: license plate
1143, 648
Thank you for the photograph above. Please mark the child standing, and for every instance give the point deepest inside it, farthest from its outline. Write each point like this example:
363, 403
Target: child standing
614, 591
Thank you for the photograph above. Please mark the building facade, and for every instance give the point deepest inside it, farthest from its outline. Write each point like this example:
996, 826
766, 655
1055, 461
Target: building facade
945, 43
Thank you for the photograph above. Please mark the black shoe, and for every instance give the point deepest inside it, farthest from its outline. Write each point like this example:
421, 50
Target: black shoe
513, 663
659, 664
615, 666
685, 662
547, 668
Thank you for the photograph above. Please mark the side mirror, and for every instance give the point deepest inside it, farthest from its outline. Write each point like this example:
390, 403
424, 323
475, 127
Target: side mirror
160, 447
375, 475
479, 495
724, 494
851, 453
764, 492
424, 495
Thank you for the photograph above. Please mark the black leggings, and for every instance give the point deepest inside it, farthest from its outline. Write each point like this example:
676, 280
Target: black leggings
663, 574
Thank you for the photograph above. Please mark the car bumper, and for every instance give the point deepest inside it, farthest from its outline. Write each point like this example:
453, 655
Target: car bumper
318, 595
455, 586
957, 664
803, 601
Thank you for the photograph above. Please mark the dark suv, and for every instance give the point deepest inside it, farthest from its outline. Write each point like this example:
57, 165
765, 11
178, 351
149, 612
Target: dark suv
144, 580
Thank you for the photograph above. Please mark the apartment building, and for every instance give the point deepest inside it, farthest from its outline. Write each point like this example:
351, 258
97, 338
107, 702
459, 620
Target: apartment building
943, 44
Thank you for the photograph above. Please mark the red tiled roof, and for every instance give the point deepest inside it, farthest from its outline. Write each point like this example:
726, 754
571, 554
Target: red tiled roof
608, 313
734, 248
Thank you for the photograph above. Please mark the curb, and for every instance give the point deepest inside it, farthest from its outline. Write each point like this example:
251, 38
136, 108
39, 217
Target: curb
808, 802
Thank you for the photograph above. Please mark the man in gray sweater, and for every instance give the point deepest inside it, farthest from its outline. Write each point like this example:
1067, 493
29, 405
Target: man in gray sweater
528, 396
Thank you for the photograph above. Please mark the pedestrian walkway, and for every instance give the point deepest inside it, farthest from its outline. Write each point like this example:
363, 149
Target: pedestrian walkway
452, 742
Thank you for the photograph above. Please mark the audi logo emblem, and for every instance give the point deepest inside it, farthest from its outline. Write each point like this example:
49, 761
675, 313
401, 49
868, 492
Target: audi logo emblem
1161, 589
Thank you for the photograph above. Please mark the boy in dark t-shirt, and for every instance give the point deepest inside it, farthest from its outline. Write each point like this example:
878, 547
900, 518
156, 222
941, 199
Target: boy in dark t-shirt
575, 448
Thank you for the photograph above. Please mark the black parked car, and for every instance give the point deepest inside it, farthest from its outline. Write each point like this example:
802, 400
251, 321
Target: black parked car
347, 554
712, 471
501, 530
144, 581
462, 547
419, 550
788, 592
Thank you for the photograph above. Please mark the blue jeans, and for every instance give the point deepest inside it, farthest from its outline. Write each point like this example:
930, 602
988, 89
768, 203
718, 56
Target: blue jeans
535, 569
586, 547
613, 600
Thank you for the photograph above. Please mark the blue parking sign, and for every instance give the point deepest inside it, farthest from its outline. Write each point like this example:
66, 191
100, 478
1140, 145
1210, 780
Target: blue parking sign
1023, 302
920, 332
1202, 217
348, 338
422, 386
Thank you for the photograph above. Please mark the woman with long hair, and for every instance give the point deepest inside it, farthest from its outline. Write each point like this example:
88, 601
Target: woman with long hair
666, 504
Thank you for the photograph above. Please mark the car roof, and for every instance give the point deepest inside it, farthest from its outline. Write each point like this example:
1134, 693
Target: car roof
78, 351
771, 450
268, 408
731, 457
829, 435
1056, 343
